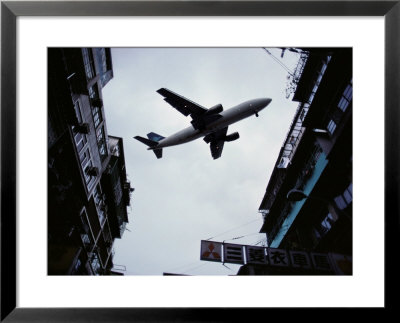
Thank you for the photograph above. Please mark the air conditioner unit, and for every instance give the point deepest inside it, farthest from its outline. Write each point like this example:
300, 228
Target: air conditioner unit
92, 171
83, 128
96, 102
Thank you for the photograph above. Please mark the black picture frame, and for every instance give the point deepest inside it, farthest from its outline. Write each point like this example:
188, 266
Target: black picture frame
10, 10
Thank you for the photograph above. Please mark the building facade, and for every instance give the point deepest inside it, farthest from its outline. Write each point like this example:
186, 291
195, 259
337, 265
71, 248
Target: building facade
308, 200
88, 189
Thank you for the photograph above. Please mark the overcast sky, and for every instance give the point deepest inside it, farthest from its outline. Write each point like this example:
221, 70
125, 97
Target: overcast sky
186, 196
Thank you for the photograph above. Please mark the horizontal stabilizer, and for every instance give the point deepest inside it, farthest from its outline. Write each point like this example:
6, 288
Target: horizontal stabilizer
152, 145
158, 153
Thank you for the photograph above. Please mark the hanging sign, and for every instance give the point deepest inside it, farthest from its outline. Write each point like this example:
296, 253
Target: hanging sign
233, 253
211, 250
255, 255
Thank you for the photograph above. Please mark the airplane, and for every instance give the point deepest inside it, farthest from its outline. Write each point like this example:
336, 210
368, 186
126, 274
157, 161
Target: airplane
212, 123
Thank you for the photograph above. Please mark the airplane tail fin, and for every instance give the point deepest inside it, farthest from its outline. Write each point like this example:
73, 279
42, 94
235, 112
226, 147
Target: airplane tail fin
152, 142
155, 137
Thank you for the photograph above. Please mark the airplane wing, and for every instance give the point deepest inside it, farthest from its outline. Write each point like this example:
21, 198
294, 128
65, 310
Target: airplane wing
216, 140
182, 104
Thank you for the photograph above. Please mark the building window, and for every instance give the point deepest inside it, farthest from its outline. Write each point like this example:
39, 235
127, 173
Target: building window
331, 127
86, 163
88, 63
89, 179
348, 93
346, 97
95, 263
304, 111
96, 105
117, 192
102, 217
323, 69
101, 142
96, 112
326, 223
343, 104
80, 143
100, 135
77, 107
87, 234
84, 157
78, 269
98, 199
322, 228
103, 58
343, 200
98, 196
310, 99
94, 92
86, 241
80, 139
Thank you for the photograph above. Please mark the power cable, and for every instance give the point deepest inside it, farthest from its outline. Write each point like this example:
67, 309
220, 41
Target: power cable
279, 62
260, 241
183, 266
194, 268
232, 229
227, 267
247, 235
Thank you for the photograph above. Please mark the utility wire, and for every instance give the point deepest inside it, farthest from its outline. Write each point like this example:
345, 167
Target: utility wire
279, 62
183, 266
247, 235
232, 229
260, 241
227, 267
194, 268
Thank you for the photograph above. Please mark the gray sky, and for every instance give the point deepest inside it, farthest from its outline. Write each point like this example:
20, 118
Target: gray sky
186, 196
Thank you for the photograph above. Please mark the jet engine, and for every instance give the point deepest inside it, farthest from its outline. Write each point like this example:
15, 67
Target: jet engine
232, 136
215, 109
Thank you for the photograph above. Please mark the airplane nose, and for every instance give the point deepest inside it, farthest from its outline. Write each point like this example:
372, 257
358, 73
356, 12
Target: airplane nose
262, 103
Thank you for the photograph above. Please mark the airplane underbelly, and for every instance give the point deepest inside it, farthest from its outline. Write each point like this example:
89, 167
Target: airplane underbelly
226, 121
181, 137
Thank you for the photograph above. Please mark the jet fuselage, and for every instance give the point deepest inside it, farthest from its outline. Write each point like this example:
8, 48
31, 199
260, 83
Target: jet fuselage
230, 116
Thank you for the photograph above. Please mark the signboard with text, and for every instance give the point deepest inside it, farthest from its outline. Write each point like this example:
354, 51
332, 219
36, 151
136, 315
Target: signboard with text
233, 253
300, 259
256, 255
276, 257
